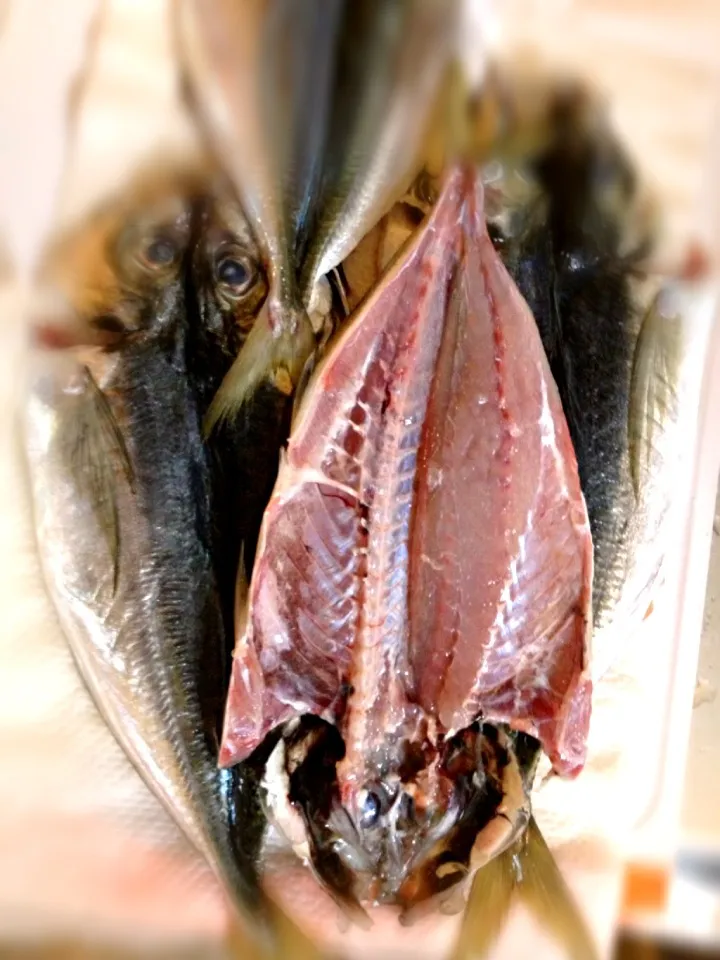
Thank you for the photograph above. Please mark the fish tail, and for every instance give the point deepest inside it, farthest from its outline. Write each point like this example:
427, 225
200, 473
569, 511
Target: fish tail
239, 944
288, 941
528, 868
274, 353
488, 907
292, 943
545, 893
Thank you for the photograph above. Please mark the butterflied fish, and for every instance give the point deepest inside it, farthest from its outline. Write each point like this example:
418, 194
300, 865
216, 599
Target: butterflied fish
417, 621
366, 100
121, 490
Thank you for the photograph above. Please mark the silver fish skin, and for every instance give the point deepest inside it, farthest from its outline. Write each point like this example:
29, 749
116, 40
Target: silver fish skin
120, 486
392, 59
358, 82
260, 76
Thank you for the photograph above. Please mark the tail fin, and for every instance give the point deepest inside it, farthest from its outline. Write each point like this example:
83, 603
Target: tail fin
528, 867
289, 942
275, 353
542, 888
488, 907
239, 944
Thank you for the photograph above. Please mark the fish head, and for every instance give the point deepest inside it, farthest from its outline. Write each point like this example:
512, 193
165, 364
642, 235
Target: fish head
410, 831
109, 297
230, 279
428, 824
117, 278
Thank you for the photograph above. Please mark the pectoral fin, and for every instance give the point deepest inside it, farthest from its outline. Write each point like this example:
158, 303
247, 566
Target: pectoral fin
654, 388
242, 589
274, 353
96, 454
305, 378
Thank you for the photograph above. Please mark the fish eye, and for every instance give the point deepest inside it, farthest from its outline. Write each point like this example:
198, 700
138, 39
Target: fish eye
496, 234
236, 273
369, 806
160, 252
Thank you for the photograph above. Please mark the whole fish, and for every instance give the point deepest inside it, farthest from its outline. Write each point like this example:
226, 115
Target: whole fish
121, 489
417, 620
376, 68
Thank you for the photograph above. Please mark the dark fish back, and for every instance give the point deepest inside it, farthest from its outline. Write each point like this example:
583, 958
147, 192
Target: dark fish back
246, 456
567, 258
183, 647
172, 482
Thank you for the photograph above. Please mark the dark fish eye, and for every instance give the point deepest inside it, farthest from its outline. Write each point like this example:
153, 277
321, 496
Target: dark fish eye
234, 273
496, 235
161, 252
369, 809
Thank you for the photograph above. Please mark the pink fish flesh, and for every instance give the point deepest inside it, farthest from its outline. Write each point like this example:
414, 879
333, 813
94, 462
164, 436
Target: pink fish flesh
425, 559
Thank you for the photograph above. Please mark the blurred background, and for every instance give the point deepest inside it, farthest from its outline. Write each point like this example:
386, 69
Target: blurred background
677, 914
90, 866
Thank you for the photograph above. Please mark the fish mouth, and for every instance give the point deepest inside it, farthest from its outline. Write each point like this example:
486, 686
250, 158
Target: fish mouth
413, 862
